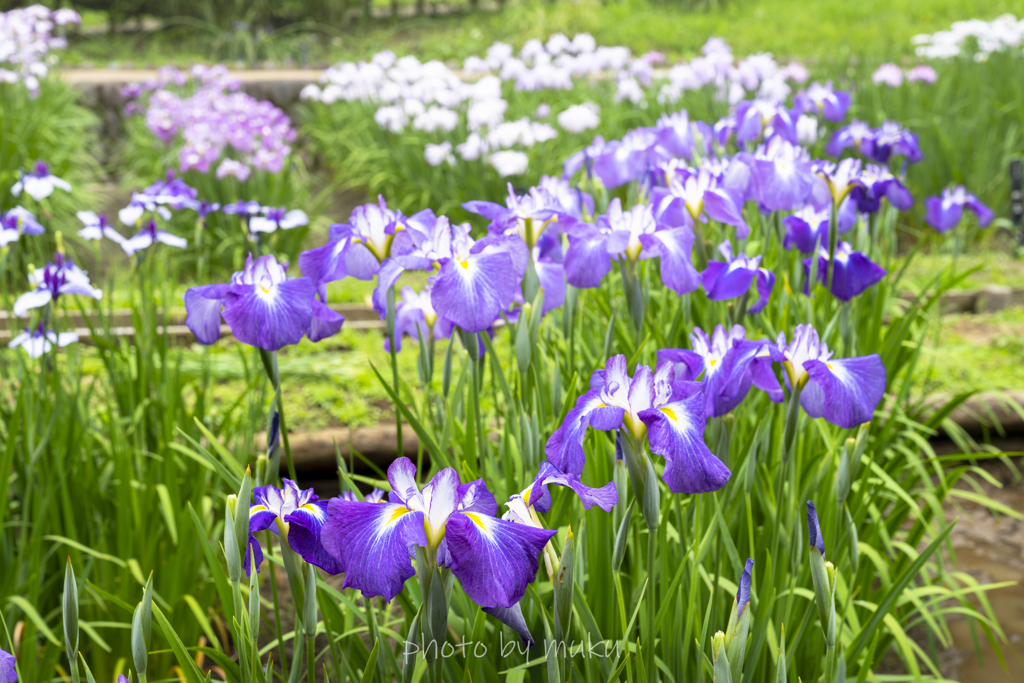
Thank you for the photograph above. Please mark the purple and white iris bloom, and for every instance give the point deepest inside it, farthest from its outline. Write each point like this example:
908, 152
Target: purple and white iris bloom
374, 496
823, 99
807, 227
730, 279
97, 227
633, 235
622, 161
727, 365
878, 182
478, 281
525, 216
275, 218
697, 195
149, 236
245, 210
675, 134
944, 213
357, 248
415, 317
853, 273
857, 134
845, 391
262, 306
782, 178
572, 201
39, 183
39, 342
419, 243
891, 138
840, 179
293, 514
59, 277
17, 222
755, 118
494, 559
650, 404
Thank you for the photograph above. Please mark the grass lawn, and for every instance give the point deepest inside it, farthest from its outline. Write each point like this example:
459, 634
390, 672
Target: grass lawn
816, 30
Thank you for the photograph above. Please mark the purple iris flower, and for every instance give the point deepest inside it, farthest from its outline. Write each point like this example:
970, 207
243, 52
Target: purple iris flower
478, 281
415, 317
823, 99
420, 242
8, 668
807, 227
60, 276
840, 179
526, 216
204, 208
39, 183
857, 134
148, 236
891, 138
878, 182
675, 134
845, 391
536, 495
853, 273
243, 209
583, 158
172, 192
633, 235
782, 177
944, 213
698, 194
651, 404
262, 306
275, 218
727, 365
493, 559
755, 118
623, 161
39, 342
729, 279
97, 227
356, 248
291, 513
16, 222
572, 201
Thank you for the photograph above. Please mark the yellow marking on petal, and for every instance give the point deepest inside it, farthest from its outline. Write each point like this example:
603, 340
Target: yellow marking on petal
399, 511
712, 362
464, 264
829, 366
479, 522
670, 413
312, 509
257, 508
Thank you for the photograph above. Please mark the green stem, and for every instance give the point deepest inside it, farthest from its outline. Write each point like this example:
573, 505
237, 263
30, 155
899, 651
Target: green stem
311, 655
652, 605
277, 604
392, 310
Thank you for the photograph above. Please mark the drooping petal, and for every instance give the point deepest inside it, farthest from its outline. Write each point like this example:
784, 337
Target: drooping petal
719, 206
326, 322
305, 526
37, 298
724, 281
270, 319
552, 279
854, 274
374, 542
387, 276
587, 260
845, 391
472, 293
202, 307
765, 285
675, 249
513, 618
676, 432
325, 264
494, 560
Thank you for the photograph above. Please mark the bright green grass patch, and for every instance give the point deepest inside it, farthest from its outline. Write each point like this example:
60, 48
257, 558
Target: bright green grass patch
820, 29
996, 268
974, 352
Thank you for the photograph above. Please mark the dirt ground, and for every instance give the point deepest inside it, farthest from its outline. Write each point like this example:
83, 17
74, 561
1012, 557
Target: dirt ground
991, 549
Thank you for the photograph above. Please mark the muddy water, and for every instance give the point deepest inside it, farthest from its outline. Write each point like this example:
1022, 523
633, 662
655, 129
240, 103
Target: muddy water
991, 549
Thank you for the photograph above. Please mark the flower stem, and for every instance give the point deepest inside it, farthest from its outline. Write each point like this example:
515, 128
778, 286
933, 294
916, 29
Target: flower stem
392, 310
652, 606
